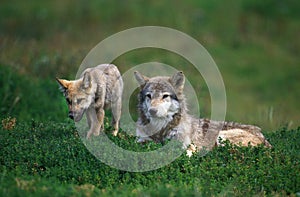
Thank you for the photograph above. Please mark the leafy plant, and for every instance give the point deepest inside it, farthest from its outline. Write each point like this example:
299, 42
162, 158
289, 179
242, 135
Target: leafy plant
35, 154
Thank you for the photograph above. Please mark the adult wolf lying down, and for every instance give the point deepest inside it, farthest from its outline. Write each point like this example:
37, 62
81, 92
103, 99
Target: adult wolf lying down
163, 115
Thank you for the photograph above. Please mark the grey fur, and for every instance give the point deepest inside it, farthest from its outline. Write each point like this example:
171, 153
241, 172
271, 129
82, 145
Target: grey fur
178, 124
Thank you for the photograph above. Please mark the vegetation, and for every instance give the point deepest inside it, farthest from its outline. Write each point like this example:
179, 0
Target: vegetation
254, 43
50, 159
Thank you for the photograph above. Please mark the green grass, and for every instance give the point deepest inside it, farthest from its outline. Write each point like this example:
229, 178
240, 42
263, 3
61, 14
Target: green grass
27, 98
40, 158
254, 43
255, 46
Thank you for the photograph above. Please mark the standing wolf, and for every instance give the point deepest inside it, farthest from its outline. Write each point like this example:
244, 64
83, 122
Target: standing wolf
163, 115
97, 89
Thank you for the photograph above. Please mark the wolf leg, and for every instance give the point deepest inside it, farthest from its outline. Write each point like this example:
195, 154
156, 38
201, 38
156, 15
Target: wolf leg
95, 121
100, 119
89, 121
116, 114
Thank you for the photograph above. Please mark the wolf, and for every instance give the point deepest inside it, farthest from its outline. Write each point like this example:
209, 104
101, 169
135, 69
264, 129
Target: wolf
97, 89
163, 115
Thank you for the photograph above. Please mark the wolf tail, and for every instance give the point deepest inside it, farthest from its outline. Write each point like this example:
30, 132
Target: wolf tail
251, 130
236, 132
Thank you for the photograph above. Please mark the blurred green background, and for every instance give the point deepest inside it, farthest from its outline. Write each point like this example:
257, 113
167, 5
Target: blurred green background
256, 45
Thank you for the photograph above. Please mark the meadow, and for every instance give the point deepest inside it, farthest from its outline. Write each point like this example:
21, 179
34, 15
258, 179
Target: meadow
255, 45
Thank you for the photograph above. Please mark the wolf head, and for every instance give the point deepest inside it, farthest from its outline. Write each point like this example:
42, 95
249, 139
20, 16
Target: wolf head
160, 97
79, 95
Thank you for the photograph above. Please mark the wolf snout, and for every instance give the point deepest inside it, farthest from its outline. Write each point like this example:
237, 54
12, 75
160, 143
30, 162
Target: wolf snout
153, 111
71, 115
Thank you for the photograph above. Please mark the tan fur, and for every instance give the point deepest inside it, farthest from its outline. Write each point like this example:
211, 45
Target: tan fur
242, 137
97, 89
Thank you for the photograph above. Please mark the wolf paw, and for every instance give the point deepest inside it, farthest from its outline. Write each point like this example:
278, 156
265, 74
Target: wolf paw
90, 132
115, 132
142, 140
96, 133
192, 149
88, 135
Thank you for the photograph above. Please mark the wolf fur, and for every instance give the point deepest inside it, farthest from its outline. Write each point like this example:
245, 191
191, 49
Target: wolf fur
163, 115
97, 89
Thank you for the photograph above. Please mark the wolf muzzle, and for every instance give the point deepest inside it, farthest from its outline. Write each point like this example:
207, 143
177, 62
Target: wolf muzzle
153, 111
76, 116
71, 115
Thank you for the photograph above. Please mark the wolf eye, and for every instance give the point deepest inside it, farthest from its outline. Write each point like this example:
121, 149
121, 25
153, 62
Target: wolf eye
68, 101
148, 95
79, 100
165, 96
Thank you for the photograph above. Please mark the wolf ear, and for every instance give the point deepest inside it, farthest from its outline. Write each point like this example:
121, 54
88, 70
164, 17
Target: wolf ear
141, 79
63, 84
86, 82
177, 80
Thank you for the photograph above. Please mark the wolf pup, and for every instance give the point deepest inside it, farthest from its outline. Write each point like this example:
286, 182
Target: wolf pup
163, 115
97, 89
